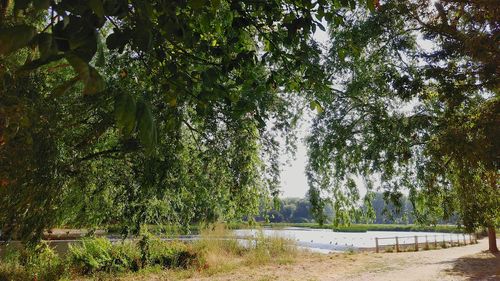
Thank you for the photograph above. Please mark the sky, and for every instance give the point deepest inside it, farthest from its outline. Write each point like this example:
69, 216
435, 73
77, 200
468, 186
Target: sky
293, 177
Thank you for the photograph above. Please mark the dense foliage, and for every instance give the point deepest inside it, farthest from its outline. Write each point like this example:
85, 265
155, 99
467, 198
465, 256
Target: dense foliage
385, 211
415, 108
149, 111
134, 112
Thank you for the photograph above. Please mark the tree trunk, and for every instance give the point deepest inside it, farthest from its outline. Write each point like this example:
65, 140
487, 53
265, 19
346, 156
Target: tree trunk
492, 239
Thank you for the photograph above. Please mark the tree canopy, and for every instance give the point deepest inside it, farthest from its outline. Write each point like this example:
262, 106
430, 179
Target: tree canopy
138, 112
133, 111
415, 107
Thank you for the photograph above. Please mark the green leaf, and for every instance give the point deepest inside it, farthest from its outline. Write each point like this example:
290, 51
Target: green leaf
46, 45
370, 4
15, 37
117, 40
143, 39
97, 7
321, 26
145, 126
94, 83
314, 105
85, 48
81, 67
100, 60
196, 4
125, 113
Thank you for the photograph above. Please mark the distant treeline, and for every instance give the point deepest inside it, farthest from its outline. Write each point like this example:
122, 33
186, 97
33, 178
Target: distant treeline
297, 210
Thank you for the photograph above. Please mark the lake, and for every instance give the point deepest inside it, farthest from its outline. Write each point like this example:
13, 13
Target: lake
326, 240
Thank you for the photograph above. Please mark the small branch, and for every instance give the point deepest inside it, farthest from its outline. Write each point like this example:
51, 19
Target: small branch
99, 154
112, 21
51, 22
54, 68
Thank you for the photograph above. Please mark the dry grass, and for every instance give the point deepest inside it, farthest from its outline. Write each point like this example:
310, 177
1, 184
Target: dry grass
272, 249
220, 251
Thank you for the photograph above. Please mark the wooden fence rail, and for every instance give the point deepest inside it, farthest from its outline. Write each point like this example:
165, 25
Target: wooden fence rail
443, 240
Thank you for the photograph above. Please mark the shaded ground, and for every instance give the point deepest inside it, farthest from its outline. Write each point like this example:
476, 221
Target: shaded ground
481, 266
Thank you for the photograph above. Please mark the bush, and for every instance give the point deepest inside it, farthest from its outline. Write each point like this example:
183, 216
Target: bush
40, 262
100, 255
93, 254
168, 254
125, 256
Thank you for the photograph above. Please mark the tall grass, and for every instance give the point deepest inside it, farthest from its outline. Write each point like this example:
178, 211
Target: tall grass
219, 250
275, 249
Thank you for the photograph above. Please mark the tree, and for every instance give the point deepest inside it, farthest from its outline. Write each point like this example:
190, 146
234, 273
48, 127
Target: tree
411, 117
139, 111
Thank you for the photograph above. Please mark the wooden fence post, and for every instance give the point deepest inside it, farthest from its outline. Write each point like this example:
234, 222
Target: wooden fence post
416, 243
435, 242
397, 245
451, 240
376, 244
426, 243
465, 241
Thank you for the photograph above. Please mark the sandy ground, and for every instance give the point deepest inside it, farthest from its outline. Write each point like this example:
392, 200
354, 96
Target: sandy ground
460, 263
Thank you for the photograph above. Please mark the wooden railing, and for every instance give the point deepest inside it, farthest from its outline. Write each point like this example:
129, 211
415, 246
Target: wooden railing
426, 240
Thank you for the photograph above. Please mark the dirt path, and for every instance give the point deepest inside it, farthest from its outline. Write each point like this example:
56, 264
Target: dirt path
459, 263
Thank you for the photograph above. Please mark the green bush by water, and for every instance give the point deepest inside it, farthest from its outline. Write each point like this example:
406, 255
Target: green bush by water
39, 262
93, 256
100, 255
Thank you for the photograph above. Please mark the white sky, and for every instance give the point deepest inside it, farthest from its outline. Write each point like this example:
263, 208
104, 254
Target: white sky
293, 177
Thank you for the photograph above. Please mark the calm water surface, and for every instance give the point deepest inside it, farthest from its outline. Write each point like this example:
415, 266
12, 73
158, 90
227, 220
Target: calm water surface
326, 240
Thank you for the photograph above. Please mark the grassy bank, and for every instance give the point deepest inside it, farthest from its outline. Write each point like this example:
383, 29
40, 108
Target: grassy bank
98, 258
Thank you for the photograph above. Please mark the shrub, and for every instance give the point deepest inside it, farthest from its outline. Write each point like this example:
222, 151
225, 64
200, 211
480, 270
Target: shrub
168, 254
93, 254
99, 254
40, 262
125, 256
